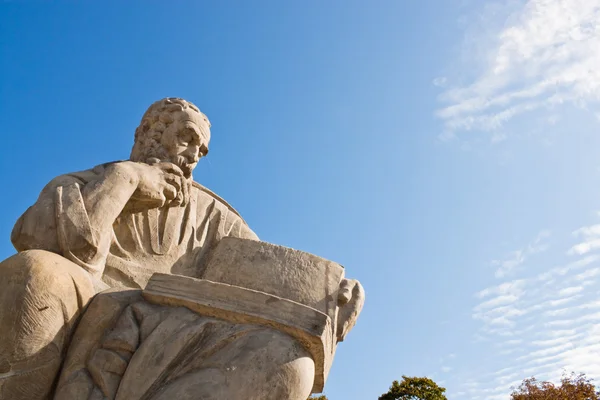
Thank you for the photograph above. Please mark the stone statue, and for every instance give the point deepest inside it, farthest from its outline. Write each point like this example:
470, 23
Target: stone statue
132, 281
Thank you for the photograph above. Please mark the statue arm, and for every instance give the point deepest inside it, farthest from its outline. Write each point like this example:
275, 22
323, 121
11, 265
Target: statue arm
74, 214
105, 197
86, 213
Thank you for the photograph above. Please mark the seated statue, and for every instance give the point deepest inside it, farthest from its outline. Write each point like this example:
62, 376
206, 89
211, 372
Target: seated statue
99, 237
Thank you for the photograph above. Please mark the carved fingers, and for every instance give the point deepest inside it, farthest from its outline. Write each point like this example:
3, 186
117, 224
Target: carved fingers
174, 176
160, 184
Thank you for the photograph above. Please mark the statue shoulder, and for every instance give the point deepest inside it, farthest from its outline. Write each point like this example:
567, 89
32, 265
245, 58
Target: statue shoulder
212, 194
80, 177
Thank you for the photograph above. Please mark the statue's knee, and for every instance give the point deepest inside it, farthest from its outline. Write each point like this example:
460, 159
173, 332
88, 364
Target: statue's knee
278, 361
39, 304
42, 286
297, 378
40, 270
294, 368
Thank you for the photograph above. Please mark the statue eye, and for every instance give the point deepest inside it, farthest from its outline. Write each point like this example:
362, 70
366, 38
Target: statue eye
185, 136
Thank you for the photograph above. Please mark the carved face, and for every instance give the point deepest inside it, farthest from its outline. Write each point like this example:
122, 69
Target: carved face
184, 140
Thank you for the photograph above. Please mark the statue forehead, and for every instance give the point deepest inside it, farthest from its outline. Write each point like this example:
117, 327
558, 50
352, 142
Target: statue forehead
192, 116
196, 118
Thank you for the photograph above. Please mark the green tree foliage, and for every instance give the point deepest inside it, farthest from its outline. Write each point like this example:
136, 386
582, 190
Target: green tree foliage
414, 388
318, 398
572, 387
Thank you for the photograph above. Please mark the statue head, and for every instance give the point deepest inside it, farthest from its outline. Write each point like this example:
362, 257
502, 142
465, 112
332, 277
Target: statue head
172, 130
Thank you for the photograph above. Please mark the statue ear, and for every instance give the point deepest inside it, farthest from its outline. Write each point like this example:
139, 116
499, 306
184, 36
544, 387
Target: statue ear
351, 298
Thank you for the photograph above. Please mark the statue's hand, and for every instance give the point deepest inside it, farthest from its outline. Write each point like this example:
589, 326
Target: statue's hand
183, 184
351, 298
158, 185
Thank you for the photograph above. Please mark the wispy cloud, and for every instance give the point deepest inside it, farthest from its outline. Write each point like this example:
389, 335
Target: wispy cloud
538, 319
590, 240
517, 257
545, 55
558, 272
586, 275
570, 291
539, 324
506, 288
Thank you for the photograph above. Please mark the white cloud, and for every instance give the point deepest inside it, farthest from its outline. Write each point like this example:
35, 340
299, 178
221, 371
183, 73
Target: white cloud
513, 342
561, 339
549, 351
561, 322
544, 55
515, 259
560, 302
561, 333
591, 240
589, 317
587, 231
555, 313
591, 304
518, 257
570, 291
539, 369
562, 271
539, 323
497, 301
512, 287
537, 245
590, 273
585, 247
440, 81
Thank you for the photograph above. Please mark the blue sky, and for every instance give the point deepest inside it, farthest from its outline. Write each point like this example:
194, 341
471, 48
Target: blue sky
445, 152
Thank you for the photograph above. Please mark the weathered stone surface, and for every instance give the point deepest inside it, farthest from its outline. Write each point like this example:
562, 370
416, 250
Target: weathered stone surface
153, 352
310, 327
291, 274
100, 319
295, 275
106, 231
41, 296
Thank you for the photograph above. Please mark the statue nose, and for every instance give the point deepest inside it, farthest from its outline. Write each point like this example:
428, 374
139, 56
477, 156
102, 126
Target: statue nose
191, 155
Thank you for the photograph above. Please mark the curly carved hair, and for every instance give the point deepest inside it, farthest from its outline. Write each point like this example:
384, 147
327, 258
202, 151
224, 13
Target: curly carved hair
156, 119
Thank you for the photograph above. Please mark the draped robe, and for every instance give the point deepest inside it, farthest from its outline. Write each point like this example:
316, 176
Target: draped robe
203, 356
168, 239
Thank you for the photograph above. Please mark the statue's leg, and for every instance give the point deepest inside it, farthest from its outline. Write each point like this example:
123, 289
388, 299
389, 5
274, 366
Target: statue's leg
261, 365
41, 297
268, 365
